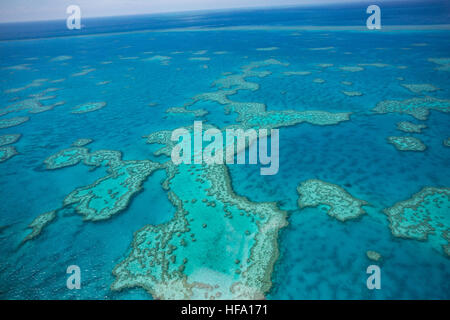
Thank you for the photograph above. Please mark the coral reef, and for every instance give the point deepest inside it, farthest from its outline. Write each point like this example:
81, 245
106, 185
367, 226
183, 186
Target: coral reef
407, 143
12, 122
420, 88
39, 223
9, 139
410, 127
183, 110
338, 202
352, 93
423, 217
110, 194
443, 63
416, 107
351, 69
447, 142
7, 153
81, 142
179, 260
374, 256
88, 107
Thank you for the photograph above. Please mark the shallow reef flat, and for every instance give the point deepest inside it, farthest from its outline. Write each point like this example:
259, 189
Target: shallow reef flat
423, 217
351, 69
407, 143
443, 63
419, 108
374, 255
420, 88
297, 73
254, 114
9, 139
7, 153
410, 127
183, 110
108, 195
88, 107
32, 105
82, 142
12, 122
352, 93
32, 84
181, 260
337, 202
447, 142
38, 224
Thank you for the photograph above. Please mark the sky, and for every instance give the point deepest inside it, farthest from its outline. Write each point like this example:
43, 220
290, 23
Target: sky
38, 10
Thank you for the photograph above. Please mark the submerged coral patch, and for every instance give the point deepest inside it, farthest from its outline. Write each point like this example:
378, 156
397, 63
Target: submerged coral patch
7, 153
423, 217
420, 88
33, 84
338, 202
296, 73
199, 58
9, 139
352, 69
33, 105
321, 49
447, 142
39, 223
267, 49
416, 107
112, 193
61, 58
83, 72
373, 255
180, 260
88, 107
12, 122
407, 143
325, 65
81, 142
377, 65
66, 158
444, 63
352, 93
406, 126
183, 110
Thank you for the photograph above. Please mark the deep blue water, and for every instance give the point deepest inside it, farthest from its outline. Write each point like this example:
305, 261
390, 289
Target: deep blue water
393, 13
320, 256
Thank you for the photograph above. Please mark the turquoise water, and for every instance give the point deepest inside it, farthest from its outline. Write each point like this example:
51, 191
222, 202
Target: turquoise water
321, 257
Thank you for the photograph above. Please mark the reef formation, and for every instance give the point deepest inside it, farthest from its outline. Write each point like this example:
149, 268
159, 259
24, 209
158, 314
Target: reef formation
9, 139
180, 260
88, 107
407, 143
7, 152
12, 122
108, 195
419, 108
423, 217
337, 202
410, 127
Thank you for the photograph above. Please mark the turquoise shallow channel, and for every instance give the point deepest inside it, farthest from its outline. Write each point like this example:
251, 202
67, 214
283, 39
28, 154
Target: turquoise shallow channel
363, 117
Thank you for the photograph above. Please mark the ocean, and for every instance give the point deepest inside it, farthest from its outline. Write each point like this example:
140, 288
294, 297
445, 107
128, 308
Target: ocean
124, 73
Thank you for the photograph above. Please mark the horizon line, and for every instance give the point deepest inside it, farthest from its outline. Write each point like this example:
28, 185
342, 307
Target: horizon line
331, 3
